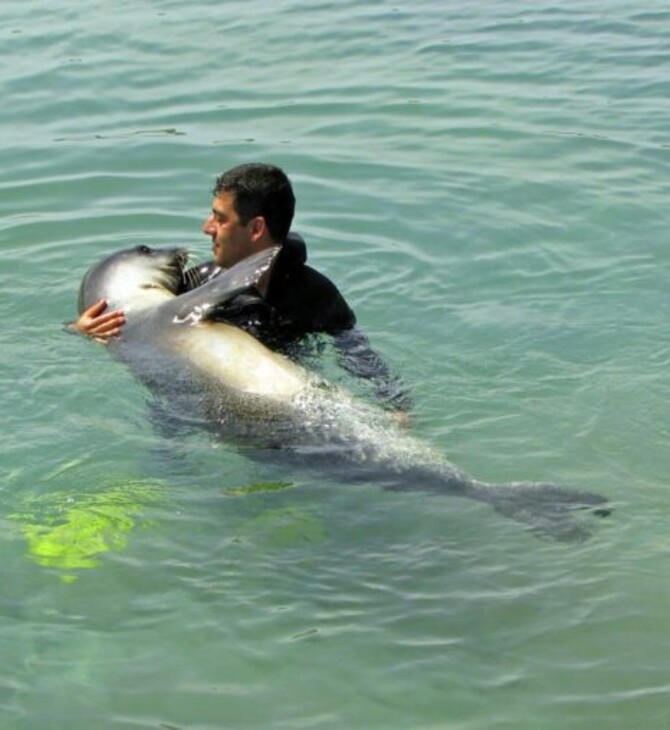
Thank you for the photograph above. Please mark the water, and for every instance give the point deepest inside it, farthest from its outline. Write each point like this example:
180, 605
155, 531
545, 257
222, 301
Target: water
488, 186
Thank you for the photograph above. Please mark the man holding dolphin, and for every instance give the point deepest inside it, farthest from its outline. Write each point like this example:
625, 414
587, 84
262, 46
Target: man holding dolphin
252, 210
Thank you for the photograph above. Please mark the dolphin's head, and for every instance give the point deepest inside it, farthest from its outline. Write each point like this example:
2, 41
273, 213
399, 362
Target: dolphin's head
132, 277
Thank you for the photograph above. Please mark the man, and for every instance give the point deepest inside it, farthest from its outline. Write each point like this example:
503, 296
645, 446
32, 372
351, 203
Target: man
252, 210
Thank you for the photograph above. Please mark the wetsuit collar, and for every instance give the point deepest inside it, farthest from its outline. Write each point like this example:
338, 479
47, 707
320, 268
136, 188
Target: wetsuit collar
292, 255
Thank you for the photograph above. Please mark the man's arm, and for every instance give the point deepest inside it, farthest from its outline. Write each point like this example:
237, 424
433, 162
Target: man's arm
314, 299
358, 358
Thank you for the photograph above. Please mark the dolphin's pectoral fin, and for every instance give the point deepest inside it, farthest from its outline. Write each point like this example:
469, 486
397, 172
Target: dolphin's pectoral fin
193, 306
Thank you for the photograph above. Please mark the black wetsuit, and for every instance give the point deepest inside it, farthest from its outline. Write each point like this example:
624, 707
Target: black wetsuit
301, 301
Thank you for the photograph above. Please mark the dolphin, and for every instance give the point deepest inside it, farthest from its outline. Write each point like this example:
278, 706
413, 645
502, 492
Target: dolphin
226, 380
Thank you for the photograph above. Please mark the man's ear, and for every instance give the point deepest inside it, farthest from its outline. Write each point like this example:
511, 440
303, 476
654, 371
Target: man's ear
257, 228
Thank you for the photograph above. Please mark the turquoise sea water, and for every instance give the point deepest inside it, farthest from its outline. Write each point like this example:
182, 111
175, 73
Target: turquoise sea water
488, 185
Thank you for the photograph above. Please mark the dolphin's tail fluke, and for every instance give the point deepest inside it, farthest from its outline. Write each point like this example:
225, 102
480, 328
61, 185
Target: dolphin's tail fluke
549, 509
560, 513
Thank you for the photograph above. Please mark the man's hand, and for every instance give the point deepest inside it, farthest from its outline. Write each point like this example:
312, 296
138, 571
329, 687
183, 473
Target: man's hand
402, 419
94, 323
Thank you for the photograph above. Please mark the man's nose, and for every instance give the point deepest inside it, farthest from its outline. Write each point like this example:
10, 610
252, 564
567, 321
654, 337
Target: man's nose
208, 225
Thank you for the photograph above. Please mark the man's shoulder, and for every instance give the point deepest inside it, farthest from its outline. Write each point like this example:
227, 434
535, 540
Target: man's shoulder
308, 296
292, 265
292, 276
317, 280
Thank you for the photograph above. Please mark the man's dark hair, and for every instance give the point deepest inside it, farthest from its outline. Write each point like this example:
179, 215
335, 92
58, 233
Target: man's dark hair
259, 189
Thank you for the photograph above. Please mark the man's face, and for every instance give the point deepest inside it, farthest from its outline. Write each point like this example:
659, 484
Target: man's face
231, 241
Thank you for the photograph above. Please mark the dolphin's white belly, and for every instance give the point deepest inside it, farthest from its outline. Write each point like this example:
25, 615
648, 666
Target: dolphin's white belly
235, 359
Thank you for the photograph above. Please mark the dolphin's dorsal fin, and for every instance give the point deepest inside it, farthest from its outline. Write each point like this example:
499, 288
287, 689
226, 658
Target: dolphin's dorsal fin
195, 305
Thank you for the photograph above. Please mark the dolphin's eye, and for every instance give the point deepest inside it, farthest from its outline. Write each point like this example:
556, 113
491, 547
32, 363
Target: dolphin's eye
145, 250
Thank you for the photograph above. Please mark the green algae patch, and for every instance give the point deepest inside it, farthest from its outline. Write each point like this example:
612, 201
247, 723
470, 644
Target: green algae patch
70, 533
